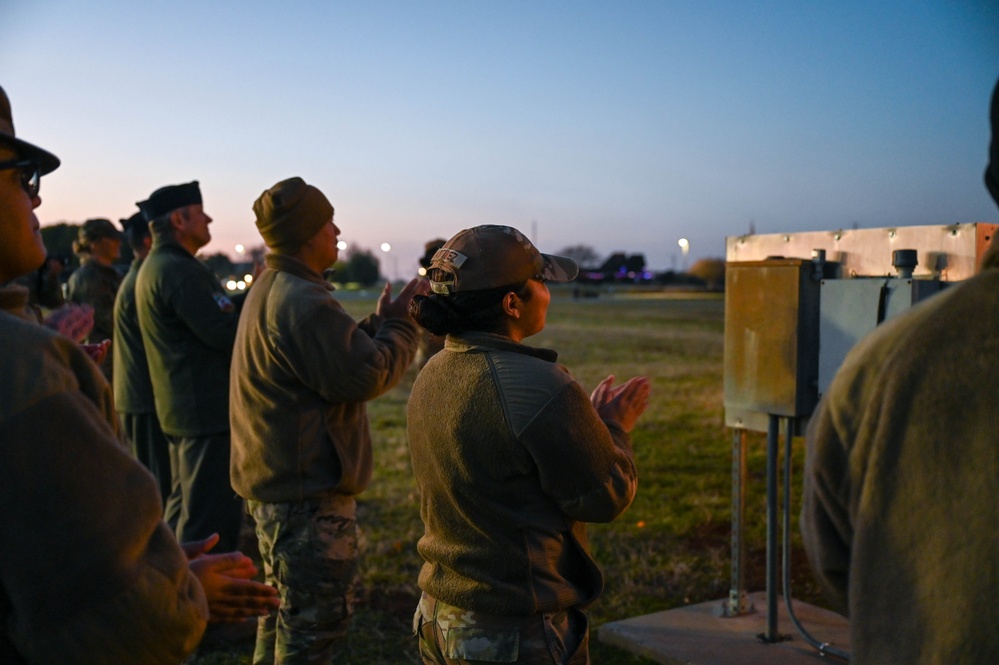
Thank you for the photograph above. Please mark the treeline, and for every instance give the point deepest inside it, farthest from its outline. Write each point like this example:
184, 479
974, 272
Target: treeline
356, 265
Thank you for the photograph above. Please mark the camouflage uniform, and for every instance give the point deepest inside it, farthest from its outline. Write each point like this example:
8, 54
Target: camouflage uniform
451, 635
310, 553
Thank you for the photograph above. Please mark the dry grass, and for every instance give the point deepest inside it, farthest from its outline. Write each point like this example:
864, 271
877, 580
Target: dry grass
671, 548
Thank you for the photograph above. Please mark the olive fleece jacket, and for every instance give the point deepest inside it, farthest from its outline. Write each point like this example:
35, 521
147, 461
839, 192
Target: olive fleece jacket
511, 459
96, 285
901, 486
89, 572
302, 370
133, 390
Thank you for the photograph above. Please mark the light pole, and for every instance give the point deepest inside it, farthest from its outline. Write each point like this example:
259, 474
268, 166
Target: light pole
387, 248
684, 250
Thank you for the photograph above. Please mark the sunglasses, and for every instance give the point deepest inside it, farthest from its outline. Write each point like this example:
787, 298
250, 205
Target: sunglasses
29, 173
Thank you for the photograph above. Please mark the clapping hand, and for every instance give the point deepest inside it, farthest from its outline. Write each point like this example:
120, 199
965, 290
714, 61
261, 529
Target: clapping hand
622, 404
71, 320
399, 308
227, 580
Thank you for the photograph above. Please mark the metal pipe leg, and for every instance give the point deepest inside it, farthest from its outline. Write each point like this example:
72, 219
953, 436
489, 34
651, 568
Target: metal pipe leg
773, 435
738, 599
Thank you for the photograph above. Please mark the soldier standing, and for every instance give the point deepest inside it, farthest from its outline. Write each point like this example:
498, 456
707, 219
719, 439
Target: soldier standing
302, 371
899, 502
133, 391
512, 458
188, 327
90, 572
96, 282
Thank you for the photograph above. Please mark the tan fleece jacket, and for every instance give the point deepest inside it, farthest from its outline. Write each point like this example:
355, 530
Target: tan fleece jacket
89, 572
901, 503
512, 460
302, 370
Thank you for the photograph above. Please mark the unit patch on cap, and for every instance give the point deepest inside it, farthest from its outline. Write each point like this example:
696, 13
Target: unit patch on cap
447, 260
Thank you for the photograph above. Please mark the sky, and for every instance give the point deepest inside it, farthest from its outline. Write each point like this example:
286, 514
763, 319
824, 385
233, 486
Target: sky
619, 125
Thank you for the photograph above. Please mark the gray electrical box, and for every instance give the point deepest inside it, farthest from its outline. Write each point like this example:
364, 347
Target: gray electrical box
790, 322
851, 308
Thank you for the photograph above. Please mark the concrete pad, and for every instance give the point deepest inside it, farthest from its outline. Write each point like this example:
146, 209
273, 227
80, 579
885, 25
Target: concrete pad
700, 635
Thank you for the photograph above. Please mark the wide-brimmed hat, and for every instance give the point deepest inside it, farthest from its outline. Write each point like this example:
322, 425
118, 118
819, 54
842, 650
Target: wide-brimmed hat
47, 162
491, 256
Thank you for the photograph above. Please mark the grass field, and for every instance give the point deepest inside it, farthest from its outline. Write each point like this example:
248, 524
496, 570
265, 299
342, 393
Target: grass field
670, 549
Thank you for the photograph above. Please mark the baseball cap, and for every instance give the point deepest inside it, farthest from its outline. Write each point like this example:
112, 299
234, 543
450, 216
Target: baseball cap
95, 229
491, 256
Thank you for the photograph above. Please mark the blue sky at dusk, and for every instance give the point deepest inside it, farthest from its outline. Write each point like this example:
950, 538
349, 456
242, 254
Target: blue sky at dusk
620, 125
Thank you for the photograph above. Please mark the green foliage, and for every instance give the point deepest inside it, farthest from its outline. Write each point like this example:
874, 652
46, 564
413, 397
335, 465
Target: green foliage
584, 255
711, 272
360, 267
671, 548
220, 263
58, 239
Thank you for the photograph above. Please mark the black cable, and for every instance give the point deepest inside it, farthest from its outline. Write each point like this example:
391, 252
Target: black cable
824, 648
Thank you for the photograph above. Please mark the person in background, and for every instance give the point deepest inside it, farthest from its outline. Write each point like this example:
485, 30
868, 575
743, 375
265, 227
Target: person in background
302, 371
96, 282
133, 390
89, 571
430, 343
19, 297
901, 499
188, 326
512, 458
45, 284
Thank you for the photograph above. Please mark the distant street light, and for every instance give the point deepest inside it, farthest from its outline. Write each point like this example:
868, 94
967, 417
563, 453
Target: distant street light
240, 249
684, 250
387, 248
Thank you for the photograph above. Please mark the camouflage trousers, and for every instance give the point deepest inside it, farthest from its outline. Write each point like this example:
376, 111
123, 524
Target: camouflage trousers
309, 550
449, 635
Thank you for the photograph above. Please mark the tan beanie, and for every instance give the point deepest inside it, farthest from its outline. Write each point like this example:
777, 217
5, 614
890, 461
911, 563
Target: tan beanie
290, 213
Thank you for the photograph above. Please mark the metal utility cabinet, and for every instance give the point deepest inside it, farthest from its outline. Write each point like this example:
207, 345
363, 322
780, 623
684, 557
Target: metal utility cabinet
795, 304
